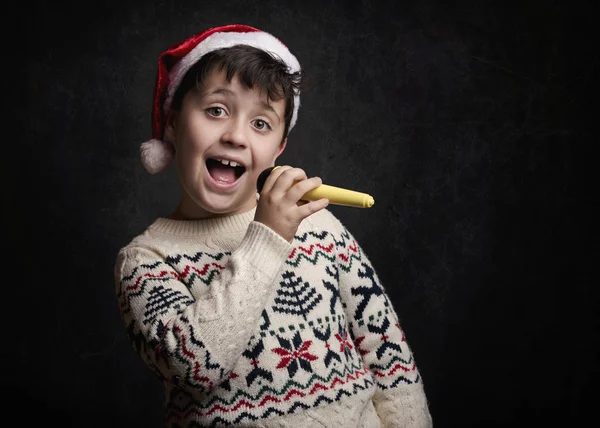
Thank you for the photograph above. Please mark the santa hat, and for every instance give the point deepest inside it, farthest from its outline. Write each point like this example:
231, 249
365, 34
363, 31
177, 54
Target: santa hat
173, 64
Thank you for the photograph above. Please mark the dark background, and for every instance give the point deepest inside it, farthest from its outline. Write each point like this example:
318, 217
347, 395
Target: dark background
468, 121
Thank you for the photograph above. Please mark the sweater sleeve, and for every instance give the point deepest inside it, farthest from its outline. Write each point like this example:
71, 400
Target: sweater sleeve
189, 339
400, 398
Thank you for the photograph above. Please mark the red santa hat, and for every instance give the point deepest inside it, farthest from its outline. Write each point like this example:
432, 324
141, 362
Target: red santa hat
173, 64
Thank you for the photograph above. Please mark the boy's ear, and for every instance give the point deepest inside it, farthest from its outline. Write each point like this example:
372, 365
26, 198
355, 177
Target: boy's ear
281, 148
170, 123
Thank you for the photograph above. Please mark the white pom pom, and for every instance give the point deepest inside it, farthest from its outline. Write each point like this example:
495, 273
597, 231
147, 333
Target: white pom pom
156, 155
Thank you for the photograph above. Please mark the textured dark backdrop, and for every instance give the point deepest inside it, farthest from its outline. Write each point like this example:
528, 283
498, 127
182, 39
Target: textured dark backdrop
466, 120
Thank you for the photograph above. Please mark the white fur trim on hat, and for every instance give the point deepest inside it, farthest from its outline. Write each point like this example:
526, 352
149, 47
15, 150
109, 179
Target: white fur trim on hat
156, 155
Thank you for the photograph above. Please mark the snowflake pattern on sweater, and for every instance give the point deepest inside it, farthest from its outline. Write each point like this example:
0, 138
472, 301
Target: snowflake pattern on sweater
263, 329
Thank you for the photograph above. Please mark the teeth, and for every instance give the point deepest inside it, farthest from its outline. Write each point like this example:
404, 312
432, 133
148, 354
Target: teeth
228, 162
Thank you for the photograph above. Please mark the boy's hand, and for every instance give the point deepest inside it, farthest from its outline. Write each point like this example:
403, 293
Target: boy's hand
280, 207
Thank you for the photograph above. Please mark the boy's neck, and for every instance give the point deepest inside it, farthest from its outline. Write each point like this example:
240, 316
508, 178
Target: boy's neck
179, 214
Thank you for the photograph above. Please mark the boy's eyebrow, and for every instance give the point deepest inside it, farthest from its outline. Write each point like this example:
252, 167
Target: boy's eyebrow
221, 91
224, 91
266, 106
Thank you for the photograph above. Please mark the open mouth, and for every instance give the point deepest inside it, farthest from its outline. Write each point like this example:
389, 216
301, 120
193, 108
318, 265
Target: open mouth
223, 172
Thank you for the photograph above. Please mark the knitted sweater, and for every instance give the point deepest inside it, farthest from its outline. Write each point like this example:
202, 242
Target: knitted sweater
245, 329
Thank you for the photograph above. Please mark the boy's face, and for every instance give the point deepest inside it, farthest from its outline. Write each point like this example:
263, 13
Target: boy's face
223, 120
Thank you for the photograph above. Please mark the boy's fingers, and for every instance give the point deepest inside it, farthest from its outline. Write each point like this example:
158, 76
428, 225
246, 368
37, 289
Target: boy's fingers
299, 189
286, 180
272, 178
312, 207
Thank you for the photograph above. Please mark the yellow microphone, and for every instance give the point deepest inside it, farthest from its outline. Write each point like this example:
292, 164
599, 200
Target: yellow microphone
336, 195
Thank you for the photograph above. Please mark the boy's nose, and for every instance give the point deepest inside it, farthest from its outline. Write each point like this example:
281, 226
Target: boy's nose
235, 134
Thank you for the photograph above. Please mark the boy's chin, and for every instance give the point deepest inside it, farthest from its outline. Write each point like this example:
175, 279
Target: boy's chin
228, 204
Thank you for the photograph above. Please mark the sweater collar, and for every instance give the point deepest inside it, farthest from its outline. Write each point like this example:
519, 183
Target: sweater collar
232, 224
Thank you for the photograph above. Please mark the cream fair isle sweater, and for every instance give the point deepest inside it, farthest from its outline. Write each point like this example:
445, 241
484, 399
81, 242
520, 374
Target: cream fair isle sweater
247, 330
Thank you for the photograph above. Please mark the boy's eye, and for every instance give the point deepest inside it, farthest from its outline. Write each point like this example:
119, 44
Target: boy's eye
215, 111
261, 125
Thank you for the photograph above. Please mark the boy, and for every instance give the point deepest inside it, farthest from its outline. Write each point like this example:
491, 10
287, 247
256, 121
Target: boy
255, 311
